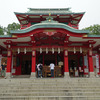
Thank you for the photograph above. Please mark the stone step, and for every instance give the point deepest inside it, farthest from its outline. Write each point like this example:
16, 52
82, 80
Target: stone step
94, 80
52, 94
42, 82
48, 87
47, 90
52, 83
50, 98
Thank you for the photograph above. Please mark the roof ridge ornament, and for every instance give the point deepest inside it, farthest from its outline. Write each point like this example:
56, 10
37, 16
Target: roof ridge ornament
49, 19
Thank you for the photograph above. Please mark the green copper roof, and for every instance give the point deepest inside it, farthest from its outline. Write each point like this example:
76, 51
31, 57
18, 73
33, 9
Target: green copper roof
93, 35
33, 11
6, 36
50, 24
59, 10
46, 13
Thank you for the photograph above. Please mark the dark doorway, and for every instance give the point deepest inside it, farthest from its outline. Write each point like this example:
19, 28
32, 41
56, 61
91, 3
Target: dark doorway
49, 59
75, 65
26, 65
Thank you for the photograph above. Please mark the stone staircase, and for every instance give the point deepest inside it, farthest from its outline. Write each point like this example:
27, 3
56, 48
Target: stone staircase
50, 89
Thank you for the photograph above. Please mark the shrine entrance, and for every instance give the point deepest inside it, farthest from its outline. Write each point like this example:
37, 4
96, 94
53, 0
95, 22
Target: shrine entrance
23, 64
75, 65
46, 59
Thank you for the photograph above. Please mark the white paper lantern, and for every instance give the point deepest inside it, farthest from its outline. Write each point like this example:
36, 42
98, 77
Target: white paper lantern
25, 51
80, 50
18, 50
46, 50
74, 50
40, 50
58, 50
53, 50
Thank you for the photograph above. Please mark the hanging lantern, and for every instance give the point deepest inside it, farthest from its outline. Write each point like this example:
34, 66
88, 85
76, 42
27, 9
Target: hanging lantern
46, 50
25, 51
58, 50
90, 45
33, 53
9, 46
40, 50
18, 50
74, 50
80, 50
53, 50
9, 53
66, 52
90, 52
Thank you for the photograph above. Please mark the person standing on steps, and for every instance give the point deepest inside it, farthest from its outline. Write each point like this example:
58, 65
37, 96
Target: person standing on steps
39, 68
3, 70
52, 69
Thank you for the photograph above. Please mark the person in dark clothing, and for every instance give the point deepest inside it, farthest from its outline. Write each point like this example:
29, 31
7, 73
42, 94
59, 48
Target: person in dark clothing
39, 68
3, 70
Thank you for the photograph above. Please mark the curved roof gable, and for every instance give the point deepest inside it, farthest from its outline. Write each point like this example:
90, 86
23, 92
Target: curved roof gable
49, 24
61, 14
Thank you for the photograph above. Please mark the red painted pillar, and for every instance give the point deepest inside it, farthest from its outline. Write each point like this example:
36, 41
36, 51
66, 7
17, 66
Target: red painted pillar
90, 64
9, 61
90, 61
66, 69
33, 61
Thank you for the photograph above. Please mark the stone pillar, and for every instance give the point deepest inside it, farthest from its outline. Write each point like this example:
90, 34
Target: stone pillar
90, 64
33, 68
66, 69
9, 63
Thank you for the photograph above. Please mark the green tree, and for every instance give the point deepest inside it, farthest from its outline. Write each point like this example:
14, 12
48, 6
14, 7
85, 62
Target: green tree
13, 26
1, 30
95, 29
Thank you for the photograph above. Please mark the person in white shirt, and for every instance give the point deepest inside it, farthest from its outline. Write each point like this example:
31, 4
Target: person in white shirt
52, 69
39, 68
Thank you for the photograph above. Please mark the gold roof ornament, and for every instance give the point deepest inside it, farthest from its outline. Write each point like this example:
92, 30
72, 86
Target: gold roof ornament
49, 17
49, 14
49, 20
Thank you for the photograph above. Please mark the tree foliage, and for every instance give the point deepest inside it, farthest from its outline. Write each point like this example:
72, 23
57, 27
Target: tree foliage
1, 30
6, 30
95, 29
13, 26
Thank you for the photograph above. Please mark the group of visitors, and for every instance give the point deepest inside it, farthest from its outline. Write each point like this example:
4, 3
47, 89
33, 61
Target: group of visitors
3, 70
40, 67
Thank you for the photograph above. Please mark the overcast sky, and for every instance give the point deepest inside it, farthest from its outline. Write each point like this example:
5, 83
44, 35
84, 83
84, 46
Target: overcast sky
91, 7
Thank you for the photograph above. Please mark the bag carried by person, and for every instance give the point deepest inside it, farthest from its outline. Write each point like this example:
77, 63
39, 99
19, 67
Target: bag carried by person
40, 66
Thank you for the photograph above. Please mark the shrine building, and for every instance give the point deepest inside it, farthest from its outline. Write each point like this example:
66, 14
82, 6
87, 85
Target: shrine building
50, 36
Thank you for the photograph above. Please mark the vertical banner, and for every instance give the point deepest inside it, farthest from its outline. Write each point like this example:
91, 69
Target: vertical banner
85, 61
0, 59
12, 70
97, 61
